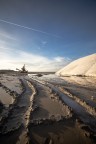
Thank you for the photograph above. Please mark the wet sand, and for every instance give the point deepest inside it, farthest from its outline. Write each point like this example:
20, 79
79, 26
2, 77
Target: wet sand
64, 132
43, 113
47, 105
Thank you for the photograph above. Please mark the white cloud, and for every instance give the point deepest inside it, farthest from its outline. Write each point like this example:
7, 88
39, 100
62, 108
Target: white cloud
10, 59
59, 59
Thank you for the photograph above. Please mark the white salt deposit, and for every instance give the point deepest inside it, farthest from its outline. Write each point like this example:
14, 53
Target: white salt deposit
85, 66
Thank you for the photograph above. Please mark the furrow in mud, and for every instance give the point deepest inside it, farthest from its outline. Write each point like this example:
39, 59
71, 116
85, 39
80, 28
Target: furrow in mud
47, 106
24, 138
78, 109
48, 112
20, 113
10, 99
10, 89
81, 94
87, 104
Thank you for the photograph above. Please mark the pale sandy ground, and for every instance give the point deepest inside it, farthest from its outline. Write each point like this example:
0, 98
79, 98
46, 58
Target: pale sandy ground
82, 81
11, 82
5, 98
38, 115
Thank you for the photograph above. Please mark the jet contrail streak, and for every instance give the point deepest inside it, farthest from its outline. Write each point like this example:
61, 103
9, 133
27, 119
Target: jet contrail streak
29, 28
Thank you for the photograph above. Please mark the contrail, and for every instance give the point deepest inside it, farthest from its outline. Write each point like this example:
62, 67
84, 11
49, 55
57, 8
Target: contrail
29, 28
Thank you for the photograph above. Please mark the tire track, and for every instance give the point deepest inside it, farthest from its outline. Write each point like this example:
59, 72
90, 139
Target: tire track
76, 107
20, 114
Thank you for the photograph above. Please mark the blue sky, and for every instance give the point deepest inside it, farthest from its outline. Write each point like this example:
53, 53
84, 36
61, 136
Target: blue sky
46, 34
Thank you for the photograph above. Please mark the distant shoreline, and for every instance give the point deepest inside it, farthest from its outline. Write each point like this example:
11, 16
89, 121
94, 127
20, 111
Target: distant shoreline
30, 72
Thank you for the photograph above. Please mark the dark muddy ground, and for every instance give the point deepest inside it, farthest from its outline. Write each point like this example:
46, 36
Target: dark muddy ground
47, 110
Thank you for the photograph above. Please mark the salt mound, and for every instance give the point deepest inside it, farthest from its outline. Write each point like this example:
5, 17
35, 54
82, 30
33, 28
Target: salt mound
85, 66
